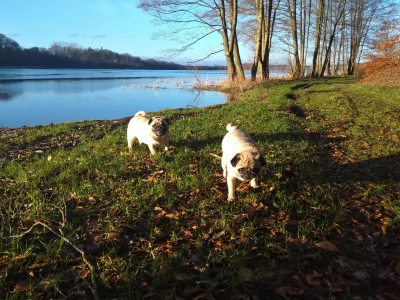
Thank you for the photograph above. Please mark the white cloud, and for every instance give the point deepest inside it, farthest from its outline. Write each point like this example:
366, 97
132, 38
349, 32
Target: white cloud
81, 35
14, 35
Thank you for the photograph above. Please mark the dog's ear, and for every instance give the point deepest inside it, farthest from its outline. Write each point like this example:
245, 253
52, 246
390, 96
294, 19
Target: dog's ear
168, 121
150, 120
235, 160
260, 158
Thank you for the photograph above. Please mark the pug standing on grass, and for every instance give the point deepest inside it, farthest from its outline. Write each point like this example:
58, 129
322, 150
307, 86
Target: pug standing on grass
151, 131
241, 159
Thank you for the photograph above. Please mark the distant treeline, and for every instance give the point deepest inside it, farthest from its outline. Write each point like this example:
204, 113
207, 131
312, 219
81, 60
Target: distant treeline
71, 55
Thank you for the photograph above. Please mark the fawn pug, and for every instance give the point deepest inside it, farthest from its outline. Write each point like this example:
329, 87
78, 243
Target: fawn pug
241, 159
150, 131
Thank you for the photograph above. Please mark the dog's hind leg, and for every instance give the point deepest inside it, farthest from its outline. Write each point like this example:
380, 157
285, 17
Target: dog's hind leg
130, 142
224, 166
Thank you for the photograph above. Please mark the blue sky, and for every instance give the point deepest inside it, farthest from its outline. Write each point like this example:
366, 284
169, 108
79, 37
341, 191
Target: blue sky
116, 25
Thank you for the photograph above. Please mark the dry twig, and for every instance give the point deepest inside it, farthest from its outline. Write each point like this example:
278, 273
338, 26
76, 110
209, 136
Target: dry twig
215, 155
94, 286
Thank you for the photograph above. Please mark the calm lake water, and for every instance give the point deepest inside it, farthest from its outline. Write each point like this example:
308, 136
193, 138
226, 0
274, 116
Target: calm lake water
41, 96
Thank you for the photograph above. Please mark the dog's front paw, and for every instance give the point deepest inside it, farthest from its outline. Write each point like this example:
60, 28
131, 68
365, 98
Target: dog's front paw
254, 184
231, 198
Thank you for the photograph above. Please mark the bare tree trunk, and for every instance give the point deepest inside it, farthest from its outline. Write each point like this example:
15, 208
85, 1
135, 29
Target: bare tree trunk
301, 34
332, 36
320, 15
362, 15
344, 46
308, 36
228, 44
233, 43
268, 34
265, 13
338, 55
292, 7
238, 62
258, 57
323, 41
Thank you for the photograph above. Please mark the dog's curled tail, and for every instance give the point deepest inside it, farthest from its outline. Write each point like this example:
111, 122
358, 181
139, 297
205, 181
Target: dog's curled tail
230, 127
140, 114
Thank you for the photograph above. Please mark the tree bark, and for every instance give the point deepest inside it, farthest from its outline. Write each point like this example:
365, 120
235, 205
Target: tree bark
320, 15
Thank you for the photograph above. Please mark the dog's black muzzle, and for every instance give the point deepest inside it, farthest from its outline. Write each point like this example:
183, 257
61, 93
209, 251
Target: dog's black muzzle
160, 130
248, 175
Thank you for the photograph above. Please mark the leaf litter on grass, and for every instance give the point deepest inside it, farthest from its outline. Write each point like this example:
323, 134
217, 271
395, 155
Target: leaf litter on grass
320, 226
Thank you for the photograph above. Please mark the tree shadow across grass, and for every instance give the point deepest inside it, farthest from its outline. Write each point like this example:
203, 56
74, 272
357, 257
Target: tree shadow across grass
375, 170
359, 191
384, 169
360, 251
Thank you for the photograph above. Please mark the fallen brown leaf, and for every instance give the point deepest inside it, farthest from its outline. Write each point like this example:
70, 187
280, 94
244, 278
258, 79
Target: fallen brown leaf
397, 267
265, 273
284, 291
164, 269
245, 274
22, 286
240, 297
361, 274
384, 229
181, 276
81, 273
326, 245
314, 279
191, 293
297, 278
42, 286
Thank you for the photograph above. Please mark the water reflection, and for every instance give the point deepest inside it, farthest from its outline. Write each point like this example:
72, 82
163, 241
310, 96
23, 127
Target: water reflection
16, 88
9, 91
4, 96
38, 102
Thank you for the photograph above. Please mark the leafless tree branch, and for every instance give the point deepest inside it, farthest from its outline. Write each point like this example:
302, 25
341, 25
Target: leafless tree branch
195, 61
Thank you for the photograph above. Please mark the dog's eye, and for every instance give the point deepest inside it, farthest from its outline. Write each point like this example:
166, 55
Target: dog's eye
241, 170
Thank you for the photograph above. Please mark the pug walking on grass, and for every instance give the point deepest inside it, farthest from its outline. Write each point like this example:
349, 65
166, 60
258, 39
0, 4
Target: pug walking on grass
150, 131
241, 159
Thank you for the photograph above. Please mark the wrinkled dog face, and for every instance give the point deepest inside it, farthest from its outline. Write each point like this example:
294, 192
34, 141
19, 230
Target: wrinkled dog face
247, 165
159, 125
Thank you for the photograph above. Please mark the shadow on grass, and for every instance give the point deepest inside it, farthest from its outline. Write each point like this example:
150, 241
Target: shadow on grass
378, 170
384, 169
342, 196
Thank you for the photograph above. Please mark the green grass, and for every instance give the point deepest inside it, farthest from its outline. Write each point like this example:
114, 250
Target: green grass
160, 226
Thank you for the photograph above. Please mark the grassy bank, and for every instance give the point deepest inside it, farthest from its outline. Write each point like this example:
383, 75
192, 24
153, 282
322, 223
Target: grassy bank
81, 217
